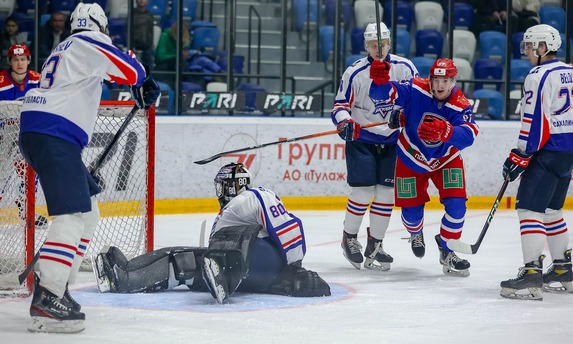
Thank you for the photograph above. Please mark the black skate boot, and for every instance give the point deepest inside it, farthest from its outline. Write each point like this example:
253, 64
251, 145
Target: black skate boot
529, 278
376, 258
52, 314
559, 272
418, 244
452, 264
351, 249
69, 300
215, 279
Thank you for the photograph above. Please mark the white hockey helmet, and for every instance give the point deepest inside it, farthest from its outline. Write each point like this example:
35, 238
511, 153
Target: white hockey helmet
230, 181
89, 17
371, 33
542, 33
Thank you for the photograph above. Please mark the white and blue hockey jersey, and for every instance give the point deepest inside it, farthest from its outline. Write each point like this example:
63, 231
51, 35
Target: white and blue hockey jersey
546, 112
353, 98
264, 207
66, 103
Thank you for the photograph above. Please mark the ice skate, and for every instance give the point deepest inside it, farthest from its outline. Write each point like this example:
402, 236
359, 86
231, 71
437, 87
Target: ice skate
106, 278
375, 257
215, 279
52, 314
528, 280
452, 264
351, 249
560, 272
418, 245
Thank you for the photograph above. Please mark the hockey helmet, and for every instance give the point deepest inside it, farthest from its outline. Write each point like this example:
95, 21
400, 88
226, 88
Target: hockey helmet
18, 50
371, 32
230, 181
89, 17
541, 33
444, 67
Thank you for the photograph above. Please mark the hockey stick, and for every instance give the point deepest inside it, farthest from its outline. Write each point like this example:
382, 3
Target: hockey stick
310, 136
376, 4
11, 280
463, 247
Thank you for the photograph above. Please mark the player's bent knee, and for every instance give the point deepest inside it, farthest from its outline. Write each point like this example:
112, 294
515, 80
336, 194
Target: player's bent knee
455, 207
413, 214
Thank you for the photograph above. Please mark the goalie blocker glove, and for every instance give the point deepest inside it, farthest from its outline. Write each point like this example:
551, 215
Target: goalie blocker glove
348, 130
515, 164
146, 94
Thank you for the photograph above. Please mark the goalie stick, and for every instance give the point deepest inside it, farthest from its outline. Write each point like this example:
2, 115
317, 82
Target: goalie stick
310, 136
11, 280
462, 247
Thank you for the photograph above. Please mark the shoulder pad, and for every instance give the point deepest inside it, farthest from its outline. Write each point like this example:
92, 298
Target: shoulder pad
459, 100
34, 75
4, 81
423, 83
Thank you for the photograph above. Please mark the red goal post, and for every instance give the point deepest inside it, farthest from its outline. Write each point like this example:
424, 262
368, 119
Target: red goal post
126, 201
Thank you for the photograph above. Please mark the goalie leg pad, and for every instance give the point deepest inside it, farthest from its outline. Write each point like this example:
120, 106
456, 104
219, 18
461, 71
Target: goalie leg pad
240, 238
186, 263
299, 282
231, 264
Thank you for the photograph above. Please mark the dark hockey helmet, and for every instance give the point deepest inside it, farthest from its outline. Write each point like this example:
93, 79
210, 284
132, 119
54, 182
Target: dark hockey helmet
230, 181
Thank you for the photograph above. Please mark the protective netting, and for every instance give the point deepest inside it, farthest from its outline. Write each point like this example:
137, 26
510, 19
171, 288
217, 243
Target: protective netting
125, 178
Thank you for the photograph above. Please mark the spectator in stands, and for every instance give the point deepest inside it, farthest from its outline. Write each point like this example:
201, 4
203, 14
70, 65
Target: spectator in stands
525, 14
491, 15
52, 34
142, 31
10, 36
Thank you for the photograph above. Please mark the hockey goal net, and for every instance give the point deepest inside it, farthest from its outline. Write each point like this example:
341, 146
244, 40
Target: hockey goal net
126, 201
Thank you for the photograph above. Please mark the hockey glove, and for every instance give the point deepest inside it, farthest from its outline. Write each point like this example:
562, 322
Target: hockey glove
146, 94
380, 72
435, 129
515, 164
397, 119
348, 130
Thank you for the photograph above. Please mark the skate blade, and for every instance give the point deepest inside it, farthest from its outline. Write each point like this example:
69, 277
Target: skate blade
49, 325
372, 264
103, 283
561, 288
216, 288
515, 294
456, 273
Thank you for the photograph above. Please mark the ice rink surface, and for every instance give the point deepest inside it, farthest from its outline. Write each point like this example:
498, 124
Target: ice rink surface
414, 302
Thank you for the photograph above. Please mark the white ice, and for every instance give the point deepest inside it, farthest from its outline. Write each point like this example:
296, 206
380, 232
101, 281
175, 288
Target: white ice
414, 302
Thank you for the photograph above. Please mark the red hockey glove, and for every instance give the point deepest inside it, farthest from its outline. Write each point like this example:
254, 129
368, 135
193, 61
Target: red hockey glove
380, 72
434, 129
348, 130
515, 164
397, 119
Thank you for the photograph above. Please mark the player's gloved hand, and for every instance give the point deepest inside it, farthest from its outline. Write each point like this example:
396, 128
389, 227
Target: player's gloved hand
397, 119
146, 94
380, 72
348, 130
515, 164
435, 129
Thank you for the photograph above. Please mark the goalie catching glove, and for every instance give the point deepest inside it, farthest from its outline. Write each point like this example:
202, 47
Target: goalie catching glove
146, 94
515, 164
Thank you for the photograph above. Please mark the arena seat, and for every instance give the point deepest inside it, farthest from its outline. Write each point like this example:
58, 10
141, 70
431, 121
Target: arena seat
495, 102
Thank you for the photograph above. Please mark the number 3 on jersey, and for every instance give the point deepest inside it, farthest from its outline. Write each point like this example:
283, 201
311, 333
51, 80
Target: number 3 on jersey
49, 71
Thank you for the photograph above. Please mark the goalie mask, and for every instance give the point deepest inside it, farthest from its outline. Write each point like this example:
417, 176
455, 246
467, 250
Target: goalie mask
231, 180
89, 17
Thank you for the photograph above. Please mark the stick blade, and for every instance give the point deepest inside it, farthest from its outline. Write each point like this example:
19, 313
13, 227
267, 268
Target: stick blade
208, 160
461, 247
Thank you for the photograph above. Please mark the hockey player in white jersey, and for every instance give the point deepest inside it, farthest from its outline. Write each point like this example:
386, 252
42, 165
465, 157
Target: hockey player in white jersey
57, 121
370, 153
256, 246
544, 160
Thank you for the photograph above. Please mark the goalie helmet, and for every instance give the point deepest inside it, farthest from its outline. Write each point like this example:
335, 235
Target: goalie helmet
18, 50
230, 181
90, 17
541, 33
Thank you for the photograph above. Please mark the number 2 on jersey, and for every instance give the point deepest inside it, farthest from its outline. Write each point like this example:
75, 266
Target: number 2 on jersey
567, 93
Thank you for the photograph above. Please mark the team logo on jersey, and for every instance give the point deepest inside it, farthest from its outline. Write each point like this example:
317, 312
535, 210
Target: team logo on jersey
382, 107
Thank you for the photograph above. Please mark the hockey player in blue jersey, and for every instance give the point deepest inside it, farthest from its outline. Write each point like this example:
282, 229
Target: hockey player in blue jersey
256, 246
437, 124
544, 160
57, 122
16, 81
370, 153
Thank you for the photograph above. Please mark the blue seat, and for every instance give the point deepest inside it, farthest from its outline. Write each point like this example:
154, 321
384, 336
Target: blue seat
62, 6
554, 16
516, 39
492, 45
519, 70
345, 8
561, 51
189, 10
403, 42
350, 59
405, 14
357, 40
166, 88
205, 37
251, 91
30, 5
326, 40
487, 69
423, 65
494, 102
190, 87
301, 14
117, 31
429, 43
157, 7
463, 15
200, 23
